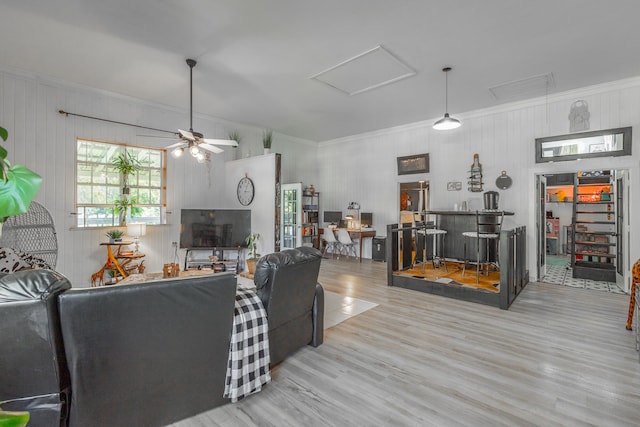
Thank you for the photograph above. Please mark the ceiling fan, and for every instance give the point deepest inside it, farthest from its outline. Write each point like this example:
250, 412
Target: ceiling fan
194, 141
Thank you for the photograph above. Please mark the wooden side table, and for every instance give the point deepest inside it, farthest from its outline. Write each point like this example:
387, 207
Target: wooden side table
118, 262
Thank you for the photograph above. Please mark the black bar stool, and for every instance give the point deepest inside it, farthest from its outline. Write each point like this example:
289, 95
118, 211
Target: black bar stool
488, 227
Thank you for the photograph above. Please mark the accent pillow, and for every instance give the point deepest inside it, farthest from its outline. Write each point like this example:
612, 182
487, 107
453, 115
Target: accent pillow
14, 260
11, 260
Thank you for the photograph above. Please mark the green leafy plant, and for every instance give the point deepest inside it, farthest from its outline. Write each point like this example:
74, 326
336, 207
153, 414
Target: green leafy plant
124, 205
126, 165
114, 234
18, 185
235, 136
13, 418
252, 244
267, 138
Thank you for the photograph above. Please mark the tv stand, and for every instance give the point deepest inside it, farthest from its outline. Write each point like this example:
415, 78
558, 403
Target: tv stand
198, 259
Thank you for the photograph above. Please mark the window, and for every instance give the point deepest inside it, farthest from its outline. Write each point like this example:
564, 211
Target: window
99, 185
603, 143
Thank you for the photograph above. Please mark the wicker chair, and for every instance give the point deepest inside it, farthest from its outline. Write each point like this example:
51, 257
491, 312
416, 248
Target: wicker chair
32, 232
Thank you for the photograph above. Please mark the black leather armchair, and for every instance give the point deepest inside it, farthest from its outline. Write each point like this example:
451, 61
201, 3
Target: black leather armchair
287, 284
33, 370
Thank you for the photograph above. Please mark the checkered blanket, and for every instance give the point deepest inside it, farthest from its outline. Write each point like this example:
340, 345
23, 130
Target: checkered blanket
248, 368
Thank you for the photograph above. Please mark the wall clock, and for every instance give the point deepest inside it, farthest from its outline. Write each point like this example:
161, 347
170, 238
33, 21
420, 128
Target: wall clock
246, 191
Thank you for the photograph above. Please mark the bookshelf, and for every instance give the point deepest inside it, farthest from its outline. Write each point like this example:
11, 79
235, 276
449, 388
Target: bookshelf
310, 218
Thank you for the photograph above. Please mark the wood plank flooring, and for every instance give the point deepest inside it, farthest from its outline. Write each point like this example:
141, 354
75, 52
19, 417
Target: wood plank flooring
559, 356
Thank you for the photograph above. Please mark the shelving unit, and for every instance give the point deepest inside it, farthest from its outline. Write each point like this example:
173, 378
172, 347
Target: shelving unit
198, 259
310, 216
594, 236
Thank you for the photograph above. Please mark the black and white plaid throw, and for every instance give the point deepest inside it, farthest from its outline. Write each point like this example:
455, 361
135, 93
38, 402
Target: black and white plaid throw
248, 368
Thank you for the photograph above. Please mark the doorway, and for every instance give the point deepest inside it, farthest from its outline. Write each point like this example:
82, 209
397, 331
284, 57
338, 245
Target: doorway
581, 224
413, 202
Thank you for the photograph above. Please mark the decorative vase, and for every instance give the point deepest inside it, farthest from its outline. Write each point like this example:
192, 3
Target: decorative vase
267, 151
251, 265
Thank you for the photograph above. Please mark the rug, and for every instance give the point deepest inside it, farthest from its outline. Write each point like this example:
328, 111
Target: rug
338, 308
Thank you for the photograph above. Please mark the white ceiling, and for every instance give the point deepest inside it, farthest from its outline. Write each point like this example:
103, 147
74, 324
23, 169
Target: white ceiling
256, 57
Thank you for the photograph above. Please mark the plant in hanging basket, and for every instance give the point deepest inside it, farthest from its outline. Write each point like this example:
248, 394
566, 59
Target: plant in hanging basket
126, 165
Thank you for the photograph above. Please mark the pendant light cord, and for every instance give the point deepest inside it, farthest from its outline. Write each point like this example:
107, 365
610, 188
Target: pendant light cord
191, 63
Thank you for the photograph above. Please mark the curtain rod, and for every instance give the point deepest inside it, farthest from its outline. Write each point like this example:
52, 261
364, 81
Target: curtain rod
66, 113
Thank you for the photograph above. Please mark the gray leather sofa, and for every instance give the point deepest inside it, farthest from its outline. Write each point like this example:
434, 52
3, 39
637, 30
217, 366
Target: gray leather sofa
287, 284
147, 354
33, 369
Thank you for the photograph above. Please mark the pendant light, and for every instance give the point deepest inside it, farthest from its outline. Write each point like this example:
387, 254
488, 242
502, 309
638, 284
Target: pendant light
446, 122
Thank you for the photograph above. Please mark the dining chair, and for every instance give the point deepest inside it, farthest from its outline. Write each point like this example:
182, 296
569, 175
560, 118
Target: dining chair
346, 244
330, 241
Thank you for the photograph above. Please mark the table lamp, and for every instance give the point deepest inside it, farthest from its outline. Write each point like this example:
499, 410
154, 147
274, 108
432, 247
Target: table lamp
136, 231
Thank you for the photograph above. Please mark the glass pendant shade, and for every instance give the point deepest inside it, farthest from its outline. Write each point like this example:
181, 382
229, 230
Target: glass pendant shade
194, 150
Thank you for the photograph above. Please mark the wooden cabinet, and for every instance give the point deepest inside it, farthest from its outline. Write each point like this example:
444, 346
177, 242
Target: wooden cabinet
594, 236
310, 217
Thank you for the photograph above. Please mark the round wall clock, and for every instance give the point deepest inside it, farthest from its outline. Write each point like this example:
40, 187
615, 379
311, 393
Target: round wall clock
246, 191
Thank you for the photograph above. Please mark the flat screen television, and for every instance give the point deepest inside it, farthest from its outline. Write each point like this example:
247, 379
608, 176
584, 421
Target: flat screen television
332, 217
214, 228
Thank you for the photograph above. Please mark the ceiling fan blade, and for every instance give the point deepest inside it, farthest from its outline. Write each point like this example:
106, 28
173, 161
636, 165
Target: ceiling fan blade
211, 148
157, 137
229, 142
176, 145
186, 135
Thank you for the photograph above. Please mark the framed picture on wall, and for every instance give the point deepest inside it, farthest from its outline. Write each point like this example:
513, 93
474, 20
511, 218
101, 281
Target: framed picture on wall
417, 163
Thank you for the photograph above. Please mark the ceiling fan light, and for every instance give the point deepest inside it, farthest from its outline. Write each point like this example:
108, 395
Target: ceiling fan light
177, 152
194, 150
200, 157
446, 123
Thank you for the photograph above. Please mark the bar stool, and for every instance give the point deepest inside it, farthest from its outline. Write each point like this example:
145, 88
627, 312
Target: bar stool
488, 227
435, 233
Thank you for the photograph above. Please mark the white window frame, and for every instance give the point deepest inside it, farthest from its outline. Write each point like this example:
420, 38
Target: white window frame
100, 213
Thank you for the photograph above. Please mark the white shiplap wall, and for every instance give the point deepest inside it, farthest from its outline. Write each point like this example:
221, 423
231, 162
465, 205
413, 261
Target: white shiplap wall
44, 140
362, 168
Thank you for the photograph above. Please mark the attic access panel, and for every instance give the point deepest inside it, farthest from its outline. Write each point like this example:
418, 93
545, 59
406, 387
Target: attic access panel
372, 69
584, 145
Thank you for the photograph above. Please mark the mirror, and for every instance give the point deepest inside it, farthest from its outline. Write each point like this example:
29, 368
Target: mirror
603, 143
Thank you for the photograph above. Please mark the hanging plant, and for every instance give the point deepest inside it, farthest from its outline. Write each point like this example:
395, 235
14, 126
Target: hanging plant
126, 165
18, 185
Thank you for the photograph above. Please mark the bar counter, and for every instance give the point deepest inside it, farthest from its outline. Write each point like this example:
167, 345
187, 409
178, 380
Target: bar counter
456, 223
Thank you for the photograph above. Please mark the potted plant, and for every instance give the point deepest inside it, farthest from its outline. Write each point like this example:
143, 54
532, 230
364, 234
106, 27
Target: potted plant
18, 185
126, 165
252, 244
267, 138
124, 205
235, 136
13, 418
114, 236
